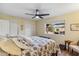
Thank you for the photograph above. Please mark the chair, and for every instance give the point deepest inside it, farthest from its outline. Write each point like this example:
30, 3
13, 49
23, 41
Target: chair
74, 47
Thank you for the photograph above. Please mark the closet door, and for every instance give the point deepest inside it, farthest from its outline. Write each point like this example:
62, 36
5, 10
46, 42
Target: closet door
4, 27
12, 28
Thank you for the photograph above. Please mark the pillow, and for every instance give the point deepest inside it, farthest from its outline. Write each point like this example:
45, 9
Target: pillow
20, 43
27, 39
78, 43
10, 47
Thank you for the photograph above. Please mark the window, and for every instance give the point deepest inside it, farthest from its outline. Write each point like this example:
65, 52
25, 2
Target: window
59, 28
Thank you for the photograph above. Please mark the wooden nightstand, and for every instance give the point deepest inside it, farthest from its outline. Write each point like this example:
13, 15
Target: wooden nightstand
67, 42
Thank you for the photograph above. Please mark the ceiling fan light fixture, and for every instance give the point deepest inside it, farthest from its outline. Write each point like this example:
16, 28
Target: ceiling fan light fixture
37, 17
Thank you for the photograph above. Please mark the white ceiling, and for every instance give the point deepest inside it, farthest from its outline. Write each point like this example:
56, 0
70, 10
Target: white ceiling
54, 9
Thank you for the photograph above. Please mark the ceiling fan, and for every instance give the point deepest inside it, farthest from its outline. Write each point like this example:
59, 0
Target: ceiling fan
37, 14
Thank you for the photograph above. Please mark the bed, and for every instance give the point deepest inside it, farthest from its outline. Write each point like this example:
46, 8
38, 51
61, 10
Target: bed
28, 46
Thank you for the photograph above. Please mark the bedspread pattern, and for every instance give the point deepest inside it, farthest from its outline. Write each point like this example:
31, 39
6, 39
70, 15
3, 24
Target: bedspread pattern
40, 47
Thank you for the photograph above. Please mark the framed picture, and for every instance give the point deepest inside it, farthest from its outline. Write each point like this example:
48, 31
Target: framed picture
49, 28
74, 27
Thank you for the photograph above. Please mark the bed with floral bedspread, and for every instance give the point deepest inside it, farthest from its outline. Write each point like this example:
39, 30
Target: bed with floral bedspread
32, 46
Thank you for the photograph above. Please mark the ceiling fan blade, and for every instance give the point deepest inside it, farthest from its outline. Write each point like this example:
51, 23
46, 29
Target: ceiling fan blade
43, 14
29, 14
41, 17
33, 17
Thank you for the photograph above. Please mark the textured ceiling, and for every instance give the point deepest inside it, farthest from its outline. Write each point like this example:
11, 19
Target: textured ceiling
54, 9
